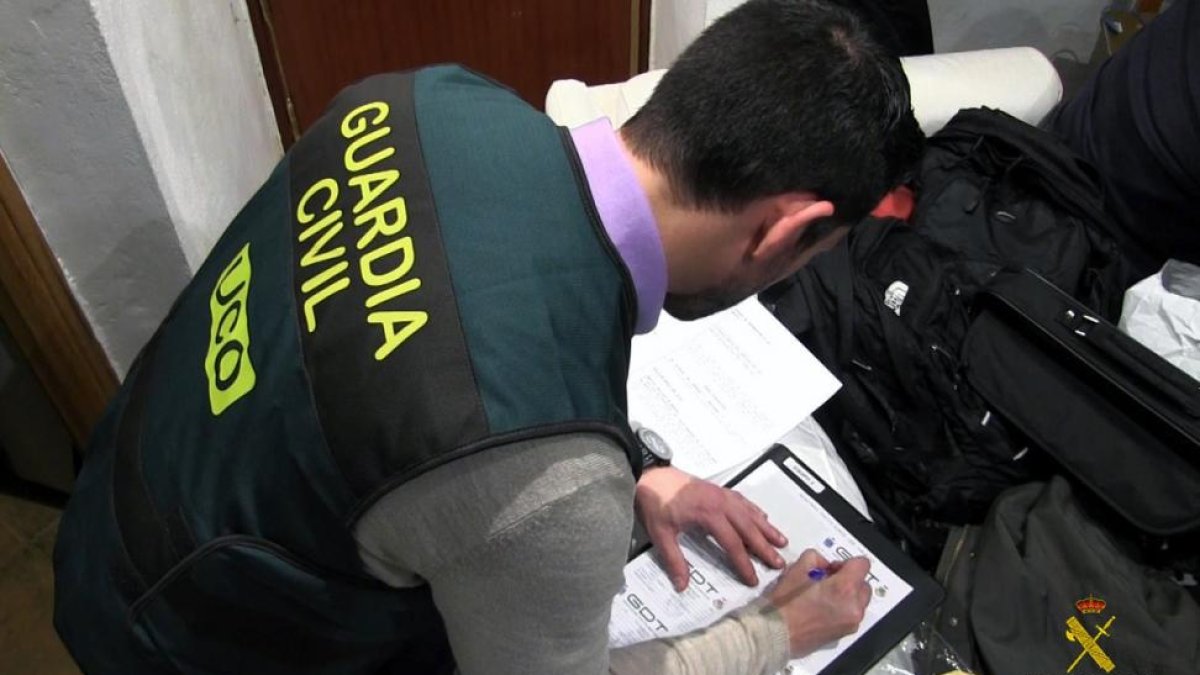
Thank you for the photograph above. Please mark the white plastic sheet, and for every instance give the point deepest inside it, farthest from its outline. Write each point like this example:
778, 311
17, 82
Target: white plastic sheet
1163, 313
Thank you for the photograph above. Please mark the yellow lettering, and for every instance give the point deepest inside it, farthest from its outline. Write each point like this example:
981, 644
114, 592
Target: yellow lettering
372, 185
413, 321
355, 122
355, 165
237, 271
403, 246
320, 225
385, 262
314, 253
227, 323
382, 224
226, 368
310, 303
319, 280
227, 362
327, 184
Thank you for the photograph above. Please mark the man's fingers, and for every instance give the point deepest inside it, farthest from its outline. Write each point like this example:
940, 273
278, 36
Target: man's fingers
735, 549
853, 576
666, 542
769, 531
810, 559
774, 535
755, 539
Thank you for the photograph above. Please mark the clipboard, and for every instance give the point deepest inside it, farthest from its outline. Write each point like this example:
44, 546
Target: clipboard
926, 593
869, 646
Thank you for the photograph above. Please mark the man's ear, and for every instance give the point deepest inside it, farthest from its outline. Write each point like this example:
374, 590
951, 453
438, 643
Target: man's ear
779, 234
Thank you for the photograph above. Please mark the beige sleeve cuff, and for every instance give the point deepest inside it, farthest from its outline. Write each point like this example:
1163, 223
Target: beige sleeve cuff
770, 630
752, 640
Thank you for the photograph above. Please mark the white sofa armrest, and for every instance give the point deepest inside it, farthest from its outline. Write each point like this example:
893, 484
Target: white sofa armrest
1017, 80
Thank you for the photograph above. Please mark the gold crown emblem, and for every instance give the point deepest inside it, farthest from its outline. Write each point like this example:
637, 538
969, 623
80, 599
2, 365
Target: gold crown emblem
1090, 605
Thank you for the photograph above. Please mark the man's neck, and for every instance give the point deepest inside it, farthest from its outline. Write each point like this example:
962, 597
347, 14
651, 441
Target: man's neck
688, 234
653, 183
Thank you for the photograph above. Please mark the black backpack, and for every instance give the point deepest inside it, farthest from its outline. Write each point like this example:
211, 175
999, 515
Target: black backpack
1004, 194
887, 311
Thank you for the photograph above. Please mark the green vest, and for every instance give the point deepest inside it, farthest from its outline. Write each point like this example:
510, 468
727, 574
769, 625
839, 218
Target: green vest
424, 276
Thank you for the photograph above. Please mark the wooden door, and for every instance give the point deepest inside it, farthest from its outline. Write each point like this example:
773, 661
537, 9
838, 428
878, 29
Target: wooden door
313, 48
40, 312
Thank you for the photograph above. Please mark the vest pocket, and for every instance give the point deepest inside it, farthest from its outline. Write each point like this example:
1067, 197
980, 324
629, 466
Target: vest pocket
243, 604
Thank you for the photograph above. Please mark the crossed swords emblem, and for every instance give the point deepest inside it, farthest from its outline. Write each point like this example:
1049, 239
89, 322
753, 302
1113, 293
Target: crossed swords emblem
1090, 643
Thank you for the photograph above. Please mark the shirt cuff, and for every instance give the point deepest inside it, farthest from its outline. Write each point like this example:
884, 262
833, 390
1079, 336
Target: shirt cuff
768, 628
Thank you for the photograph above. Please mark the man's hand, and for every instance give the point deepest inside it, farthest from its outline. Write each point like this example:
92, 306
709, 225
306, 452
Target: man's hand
670, 501
818, 612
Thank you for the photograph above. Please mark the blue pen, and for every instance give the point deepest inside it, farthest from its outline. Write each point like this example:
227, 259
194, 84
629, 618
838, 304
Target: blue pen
817, 573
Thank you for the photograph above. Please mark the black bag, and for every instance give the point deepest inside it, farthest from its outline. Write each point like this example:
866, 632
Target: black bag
887, 311
1004, 194
1114, 415
1045, 565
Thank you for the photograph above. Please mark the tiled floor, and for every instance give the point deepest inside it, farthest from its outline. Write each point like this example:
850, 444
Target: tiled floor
28, 643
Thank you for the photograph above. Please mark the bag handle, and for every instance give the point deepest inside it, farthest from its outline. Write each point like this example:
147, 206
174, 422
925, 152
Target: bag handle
1134, 358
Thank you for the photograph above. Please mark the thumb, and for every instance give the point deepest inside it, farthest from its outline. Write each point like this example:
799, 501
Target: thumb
666, 542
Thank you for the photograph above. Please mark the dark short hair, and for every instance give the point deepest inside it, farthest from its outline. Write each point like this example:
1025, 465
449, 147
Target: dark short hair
780, 96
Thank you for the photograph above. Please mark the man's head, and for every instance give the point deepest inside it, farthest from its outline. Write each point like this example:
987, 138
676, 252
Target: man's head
782, 123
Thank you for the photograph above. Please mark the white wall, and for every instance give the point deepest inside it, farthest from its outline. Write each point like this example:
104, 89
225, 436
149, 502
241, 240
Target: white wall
136, 129
675, 23
190, 72
1062, 29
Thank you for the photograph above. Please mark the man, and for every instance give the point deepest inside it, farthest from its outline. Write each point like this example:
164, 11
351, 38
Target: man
383, 429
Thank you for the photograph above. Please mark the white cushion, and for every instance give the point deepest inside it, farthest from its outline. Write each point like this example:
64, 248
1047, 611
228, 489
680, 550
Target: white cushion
1017, 80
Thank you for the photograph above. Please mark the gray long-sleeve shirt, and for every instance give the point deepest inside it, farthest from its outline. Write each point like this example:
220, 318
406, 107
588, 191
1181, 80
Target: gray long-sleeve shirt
523, 547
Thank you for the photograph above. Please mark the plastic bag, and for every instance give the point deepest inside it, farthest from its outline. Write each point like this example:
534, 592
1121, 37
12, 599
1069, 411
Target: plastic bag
1163, 313
922, 652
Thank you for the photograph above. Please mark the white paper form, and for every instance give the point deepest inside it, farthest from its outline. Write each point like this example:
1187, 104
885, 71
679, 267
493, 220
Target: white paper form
722, 389
649, 608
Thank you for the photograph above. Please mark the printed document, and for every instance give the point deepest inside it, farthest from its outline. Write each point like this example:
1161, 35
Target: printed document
647, 607
722, 389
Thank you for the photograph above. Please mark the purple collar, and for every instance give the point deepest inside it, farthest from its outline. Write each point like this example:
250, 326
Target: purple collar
625, 213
